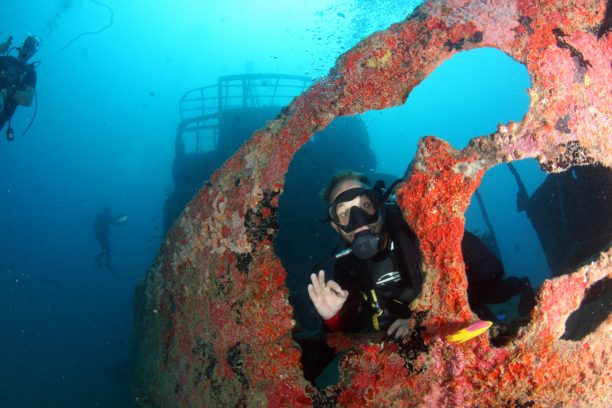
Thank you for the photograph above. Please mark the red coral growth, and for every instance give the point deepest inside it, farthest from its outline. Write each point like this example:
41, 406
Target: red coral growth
435, 206
213, 318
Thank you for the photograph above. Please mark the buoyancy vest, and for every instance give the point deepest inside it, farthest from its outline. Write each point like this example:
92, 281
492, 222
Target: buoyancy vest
392, 279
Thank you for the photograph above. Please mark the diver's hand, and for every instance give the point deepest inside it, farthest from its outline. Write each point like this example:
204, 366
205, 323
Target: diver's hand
327, 298
400, 327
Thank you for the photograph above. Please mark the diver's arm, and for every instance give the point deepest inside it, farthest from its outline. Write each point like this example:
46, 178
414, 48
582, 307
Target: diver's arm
327, 297
399, 329
334, 323
356, 312
25, 96
338, 303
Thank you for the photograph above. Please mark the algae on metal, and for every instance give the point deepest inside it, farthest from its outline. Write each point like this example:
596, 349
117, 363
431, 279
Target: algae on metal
213, 321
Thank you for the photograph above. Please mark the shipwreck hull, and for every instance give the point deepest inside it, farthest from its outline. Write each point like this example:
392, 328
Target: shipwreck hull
213, 321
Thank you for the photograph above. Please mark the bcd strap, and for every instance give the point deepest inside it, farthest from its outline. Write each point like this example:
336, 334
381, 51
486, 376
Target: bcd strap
378, 310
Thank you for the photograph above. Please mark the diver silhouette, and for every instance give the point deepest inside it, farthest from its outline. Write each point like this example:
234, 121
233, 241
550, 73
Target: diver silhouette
17, 81
103, 223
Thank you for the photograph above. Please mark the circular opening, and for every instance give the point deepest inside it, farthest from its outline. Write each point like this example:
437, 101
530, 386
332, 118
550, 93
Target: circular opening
468, 95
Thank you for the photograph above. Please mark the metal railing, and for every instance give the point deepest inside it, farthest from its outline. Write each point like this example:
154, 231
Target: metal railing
199, 107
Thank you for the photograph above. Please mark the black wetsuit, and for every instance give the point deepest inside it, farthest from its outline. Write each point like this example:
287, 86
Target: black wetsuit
14, 75
380, 289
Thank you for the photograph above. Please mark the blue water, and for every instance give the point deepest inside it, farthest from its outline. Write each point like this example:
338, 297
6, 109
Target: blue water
104, 135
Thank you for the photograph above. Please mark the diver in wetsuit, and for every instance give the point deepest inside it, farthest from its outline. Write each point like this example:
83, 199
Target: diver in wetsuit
102, 227
17, 81
381, 274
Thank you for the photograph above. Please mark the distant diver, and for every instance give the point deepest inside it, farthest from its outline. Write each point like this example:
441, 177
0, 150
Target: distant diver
85, 33
17, 81
103, 223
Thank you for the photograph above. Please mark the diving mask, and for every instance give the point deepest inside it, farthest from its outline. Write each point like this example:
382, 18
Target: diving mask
354, 208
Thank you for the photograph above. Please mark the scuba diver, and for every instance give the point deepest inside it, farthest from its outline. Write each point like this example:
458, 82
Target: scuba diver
17, 80
103, 223
379, 272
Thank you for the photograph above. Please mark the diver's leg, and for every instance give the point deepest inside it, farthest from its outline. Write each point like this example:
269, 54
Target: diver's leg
502, 290
498, 291
484, 313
